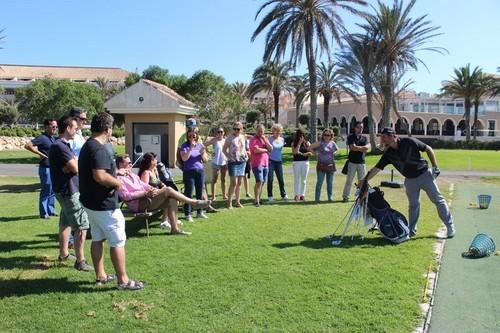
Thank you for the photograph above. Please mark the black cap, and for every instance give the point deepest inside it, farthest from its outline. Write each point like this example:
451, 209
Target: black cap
387, 131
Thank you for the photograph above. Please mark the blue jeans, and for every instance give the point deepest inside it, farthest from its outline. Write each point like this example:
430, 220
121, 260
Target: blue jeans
329, 184
193, 179
275, 166
46, 203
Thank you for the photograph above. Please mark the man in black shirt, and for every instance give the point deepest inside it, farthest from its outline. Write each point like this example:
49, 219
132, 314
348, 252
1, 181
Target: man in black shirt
40, 146
404, 155
358, 147
98, 194
64, 175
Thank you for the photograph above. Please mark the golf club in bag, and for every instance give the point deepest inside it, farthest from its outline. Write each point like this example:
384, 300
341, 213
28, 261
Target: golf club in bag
376, 212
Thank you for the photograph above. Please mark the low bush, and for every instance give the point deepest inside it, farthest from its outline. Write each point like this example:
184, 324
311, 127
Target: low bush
461, 144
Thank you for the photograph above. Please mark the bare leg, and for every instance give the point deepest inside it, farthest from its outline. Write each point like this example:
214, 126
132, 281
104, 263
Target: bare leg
223, 172
97, 253
118, 260
215, 174
171, 193
232, 186
64, 233
80, 236
245, 183
172, 214
237, 191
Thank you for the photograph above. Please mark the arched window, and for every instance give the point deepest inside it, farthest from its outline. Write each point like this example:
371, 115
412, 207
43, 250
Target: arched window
433, 127
417, 127
402, 126
448, 128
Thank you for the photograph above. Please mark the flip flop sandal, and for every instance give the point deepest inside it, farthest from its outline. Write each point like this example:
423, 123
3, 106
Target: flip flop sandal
108, 278
131, 285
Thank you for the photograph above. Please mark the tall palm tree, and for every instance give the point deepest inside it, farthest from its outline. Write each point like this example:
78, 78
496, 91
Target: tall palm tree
331, 84
359, 62
463, 85
272, 77
484, 87
400, 37
301, 92
301, 26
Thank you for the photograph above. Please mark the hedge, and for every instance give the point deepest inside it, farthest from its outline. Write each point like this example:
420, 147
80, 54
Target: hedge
450, 144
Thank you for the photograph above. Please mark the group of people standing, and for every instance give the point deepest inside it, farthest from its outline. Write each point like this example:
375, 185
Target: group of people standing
86, 180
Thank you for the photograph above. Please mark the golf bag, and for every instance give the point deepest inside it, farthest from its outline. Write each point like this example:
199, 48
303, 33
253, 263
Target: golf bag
391, 223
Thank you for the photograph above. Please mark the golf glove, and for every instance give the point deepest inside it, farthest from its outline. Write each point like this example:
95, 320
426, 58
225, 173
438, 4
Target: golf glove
435, 172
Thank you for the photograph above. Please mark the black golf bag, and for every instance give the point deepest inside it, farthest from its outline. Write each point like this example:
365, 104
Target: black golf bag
391, 223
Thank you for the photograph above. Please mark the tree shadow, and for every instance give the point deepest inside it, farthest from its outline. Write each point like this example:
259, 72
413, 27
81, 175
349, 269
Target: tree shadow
19, 188
24, 287
29, 262
347, 242
19, 218
53, 237
8, 246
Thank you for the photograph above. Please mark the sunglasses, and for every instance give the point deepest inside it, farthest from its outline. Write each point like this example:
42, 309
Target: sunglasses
192, 136
237, 129
82, 119
220, 132
54, 127
327, 135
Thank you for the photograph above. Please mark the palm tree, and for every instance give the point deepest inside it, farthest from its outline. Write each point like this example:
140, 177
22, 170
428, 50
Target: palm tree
463, 85
305, 26
331, 84
484, 87
399, 37
272, 77
301, 92
359, 63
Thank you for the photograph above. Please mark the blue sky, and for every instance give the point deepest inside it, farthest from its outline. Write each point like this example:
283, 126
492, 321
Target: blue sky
189, 35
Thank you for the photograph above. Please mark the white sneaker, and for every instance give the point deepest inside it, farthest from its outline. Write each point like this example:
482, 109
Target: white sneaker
201, 216
285, 198
179, 222
450, 230
189, 218
165, 225
270, 199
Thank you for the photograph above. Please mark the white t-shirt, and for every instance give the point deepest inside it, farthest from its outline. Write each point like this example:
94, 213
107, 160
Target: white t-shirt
219, 158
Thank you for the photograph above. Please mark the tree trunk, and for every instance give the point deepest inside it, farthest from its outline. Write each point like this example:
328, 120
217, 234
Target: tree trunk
326, 109
467, 119
388, 92
297, 111
371, 124
276, 96
311, 66
476, 110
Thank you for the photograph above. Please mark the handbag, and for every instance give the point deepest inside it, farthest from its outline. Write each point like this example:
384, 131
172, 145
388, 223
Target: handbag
325, 167
345, 169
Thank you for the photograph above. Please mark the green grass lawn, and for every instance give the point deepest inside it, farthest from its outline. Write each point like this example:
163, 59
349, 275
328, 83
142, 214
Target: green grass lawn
251, 269
461, 160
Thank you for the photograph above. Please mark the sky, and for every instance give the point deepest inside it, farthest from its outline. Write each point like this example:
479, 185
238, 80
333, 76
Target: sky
185, 36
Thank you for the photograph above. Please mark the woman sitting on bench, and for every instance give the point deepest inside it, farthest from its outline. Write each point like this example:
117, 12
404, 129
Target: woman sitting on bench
140, 196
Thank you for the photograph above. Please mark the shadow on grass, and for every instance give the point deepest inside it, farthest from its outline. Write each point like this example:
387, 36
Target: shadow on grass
24, 287
323, 243
19, 218
24, 188
29, 262
8, 246
136, 227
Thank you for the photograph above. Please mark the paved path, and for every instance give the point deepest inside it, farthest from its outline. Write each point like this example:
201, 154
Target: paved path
467, 298
31, 170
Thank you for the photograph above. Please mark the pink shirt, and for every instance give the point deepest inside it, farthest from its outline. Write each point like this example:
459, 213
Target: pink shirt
258, 159
133, 188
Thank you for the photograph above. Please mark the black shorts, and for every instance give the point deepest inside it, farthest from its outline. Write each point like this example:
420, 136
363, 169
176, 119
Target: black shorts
248, 169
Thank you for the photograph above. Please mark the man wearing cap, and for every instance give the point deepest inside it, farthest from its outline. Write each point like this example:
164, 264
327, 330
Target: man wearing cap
404, 155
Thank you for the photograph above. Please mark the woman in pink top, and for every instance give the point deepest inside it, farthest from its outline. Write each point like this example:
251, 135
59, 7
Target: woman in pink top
140, 196
259, 160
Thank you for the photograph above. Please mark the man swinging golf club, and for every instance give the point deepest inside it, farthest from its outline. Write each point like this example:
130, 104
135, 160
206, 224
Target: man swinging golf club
404, 155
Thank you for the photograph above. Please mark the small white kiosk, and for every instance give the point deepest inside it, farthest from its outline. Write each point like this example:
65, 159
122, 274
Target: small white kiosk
155, 118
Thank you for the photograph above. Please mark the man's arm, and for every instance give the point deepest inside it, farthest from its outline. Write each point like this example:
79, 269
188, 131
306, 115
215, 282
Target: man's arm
71, 166
105, 179
432, 156
30, 147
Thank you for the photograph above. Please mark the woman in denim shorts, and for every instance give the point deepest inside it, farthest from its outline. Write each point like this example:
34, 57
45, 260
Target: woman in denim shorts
234, 149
